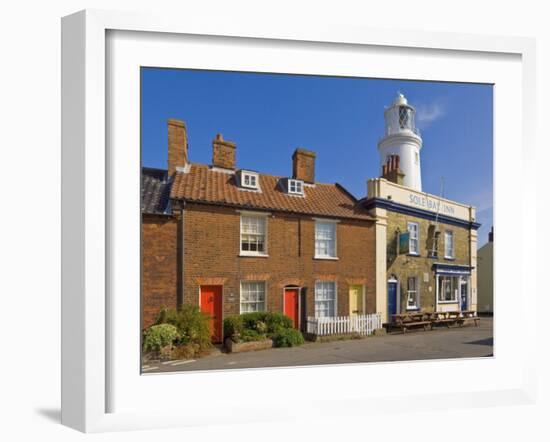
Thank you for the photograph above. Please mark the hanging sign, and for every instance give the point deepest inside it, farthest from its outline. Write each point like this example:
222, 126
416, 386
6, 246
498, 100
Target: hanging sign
403, 243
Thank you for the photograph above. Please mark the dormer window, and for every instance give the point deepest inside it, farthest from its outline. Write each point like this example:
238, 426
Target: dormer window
249, 180
295, 187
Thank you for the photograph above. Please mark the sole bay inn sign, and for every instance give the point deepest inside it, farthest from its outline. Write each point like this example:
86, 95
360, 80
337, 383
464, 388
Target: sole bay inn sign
380, 188
431, 204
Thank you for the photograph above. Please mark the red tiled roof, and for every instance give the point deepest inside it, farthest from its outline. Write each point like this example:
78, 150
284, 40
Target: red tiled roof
205, 185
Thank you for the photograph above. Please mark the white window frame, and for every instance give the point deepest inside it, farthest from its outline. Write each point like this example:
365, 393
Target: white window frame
411, 239
242, 252
416, 292
252, 302
335, 300
334, 223
449, 234
454, 289
251, 175
298, 186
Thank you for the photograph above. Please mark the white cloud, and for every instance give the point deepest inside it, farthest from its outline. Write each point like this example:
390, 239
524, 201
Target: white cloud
426, 114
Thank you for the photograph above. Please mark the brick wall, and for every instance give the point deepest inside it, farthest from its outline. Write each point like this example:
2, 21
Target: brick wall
404, 266
159, 266
211, 256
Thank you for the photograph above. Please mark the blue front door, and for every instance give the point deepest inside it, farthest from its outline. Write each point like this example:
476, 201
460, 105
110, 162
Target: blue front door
392, 298
463, 294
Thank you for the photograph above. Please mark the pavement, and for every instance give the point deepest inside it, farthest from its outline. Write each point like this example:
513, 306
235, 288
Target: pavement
441, 343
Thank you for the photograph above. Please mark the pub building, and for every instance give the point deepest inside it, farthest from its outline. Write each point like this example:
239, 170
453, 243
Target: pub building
426, 245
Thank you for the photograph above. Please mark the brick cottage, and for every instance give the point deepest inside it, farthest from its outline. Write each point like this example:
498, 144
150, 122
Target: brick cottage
233, 240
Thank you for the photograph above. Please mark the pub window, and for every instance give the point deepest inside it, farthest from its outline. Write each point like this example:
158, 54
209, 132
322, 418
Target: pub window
413, 238
449, 244
448, 288
412, 293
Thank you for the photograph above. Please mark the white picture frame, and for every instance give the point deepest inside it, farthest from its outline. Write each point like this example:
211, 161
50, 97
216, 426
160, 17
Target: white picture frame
90, 316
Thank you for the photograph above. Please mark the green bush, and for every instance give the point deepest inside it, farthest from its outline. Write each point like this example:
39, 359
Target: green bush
159, 336
245, 326
233, 327
276, 322
252, 335
288, 338
192, 325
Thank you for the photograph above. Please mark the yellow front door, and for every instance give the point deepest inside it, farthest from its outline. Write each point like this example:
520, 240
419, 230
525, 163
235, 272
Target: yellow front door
356, 300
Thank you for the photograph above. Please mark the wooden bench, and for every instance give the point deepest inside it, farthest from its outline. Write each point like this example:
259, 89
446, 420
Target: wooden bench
468, 315
408, 320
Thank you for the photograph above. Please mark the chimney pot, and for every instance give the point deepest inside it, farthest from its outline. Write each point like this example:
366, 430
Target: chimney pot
391, 170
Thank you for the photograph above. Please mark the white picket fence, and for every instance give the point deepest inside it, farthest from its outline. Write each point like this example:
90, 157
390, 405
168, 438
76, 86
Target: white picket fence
336, 325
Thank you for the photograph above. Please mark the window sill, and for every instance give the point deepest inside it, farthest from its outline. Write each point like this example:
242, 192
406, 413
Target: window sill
410, 309
253, 255
448, 302
416, 255
329, 258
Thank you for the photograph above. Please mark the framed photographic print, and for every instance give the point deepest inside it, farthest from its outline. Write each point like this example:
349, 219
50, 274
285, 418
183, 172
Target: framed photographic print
304, 212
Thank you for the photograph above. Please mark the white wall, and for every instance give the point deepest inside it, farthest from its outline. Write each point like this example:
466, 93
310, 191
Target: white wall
30, 225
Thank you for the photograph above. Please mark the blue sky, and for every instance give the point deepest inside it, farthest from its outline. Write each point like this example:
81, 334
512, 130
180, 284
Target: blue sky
342, 119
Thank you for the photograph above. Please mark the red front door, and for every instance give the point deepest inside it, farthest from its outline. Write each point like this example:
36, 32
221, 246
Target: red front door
291, 305
211, 304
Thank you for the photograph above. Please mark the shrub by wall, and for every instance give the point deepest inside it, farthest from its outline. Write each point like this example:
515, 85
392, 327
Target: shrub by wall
192, 326
288, 338
159, 336
261, 325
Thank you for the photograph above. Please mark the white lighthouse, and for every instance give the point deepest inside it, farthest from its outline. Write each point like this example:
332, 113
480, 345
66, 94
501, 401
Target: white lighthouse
402, 138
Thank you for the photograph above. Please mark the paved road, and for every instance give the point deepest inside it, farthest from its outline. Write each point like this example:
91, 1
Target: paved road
456, 342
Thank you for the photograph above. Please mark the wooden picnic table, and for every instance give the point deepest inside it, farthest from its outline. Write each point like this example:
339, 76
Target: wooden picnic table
405, 321
468, 315
444, 318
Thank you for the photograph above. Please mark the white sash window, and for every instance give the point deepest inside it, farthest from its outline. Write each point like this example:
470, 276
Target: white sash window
449, 244
413, 238
253, 235
252, 296
325, 239
325, 299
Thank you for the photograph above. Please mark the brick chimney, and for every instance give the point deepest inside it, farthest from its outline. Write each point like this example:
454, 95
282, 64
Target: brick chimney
391, 170
177, 145
223, 153
303, 165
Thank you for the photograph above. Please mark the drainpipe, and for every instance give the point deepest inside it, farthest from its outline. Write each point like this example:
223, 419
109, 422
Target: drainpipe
180, 258
436, 292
